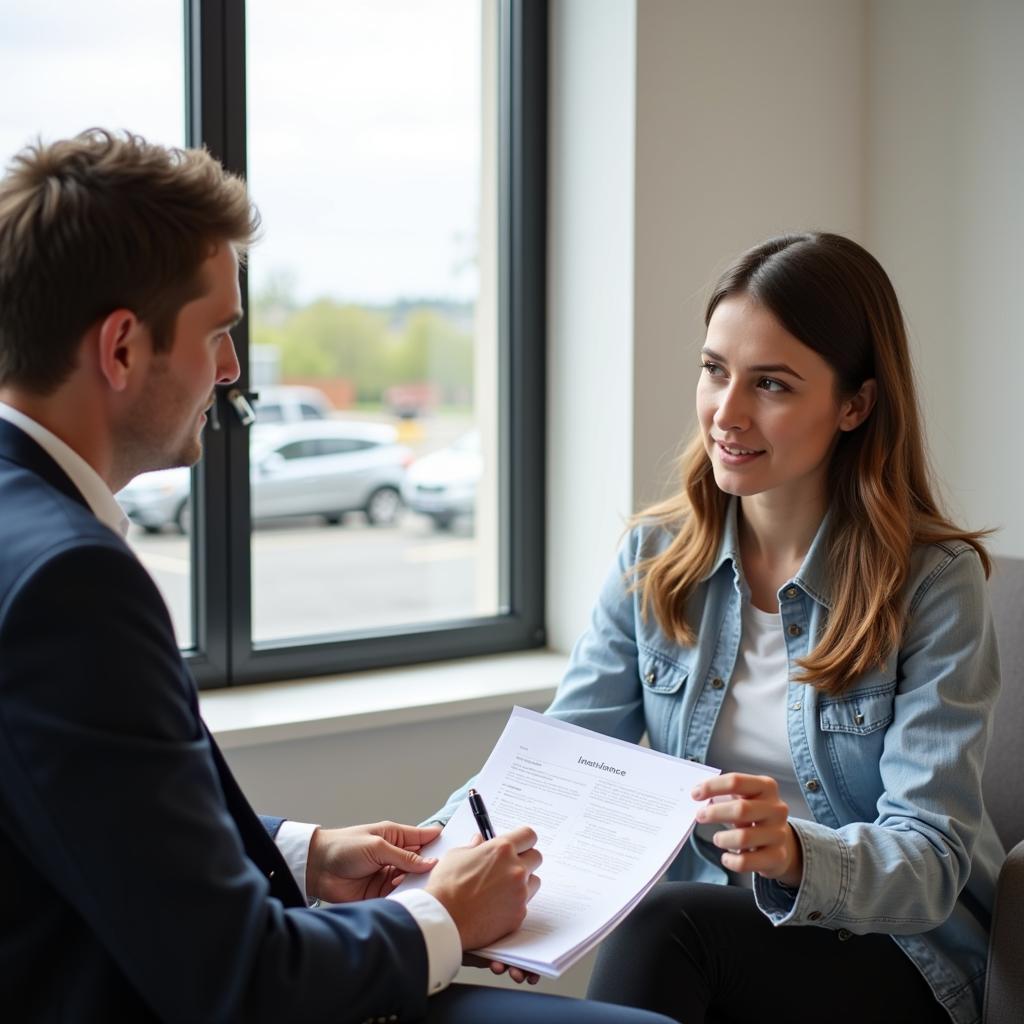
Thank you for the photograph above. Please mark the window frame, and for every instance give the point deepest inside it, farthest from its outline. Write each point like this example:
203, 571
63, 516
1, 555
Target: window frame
223, 653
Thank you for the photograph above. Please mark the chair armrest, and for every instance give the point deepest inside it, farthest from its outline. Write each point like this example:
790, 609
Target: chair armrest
1004, 981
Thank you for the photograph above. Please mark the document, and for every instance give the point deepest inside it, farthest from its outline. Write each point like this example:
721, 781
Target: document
610, 817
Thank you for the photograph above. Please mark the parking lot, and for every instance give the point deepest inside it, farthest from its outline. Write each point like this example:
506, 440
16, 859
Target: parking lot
310, 578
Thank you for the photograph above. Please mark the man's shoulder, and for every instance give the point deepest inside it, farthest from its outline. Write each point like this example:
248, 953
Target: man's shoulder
39, 522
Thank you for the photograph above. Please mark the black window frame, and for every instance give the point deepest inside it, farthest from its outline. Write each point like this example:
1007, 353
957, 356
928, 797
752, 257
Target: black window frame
223, 653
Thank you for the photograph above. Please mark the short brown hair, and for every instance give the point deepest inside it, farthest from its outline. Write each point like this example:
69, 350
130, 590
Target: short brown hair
100, 222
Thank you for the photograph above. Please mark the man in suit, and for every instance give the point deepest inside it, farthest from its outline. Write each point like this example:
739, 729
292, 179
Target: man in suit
138, 883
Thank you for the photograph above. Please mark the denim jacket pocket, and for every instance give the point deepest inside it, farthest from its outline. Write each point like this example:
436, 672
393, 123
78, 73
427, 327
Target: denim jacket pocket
660, 674
853, 727
663, 681
861, 712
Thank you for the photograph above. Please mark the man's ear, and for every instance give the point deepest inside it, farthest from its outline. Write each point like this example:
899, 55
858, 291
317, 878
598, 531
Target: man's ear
122, 343
857, 409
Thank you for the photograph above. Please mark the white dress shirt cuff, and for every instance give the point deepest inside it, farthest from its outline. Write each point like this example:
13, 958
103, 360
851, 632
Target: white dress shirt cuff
293, 839
444, 947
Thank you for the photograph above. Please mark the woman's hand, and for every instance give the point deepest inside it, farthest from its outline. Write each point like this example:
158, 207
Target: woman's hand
759, 837
365, 861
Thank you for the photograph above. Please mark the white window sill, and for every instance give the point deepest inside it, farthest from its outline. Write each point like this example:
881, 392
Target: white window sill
247, 716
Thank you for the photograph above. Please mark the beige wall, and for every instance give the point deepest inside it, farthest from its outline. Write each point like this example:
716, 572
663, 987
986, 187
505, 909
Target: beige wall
749, 123
746, 119
894, 121
945, 189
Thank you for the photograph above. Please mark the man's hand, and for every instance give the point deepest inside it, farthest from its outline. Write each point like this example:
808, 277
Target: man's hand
760, 837
486, 886
365, 861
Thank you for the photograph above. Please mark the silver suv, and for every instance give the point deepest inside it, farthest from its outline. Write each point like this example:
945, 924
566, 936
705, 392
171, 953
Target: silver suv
320, 467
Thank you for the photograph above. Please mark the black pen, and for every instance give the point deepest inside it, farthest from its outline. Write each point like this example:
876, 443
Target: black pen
480, 815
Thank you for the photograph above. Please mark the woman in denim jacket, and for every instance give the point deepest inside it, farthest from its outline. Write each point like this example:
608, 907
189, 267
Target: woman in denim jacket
803, 616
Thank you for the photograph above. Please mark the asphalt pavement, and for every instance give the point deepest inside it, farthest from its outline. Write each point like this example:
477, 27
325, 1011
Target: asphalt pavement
311, 579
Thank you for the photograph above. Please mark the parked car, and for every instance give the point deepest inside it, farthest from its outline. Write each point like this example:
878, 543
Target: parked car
443, 484
290, 403
321, 467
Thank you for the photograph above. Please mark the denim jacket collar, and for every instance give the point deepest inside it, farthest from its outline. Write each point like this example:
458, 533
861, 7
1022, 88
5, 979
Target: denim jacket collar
812, 577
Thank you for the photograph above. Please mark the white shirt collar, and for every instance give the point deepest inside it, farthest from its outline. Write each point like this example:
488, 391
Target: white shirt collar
82, 475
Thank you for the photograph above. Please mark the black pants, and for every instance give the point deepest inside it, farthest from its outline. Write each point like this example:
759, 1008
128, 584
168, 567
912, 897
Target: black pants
476, 1004
704, 954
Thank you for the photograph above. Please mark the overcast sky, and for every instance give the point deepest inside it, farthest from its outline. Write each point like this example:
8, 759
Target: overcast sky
364, 124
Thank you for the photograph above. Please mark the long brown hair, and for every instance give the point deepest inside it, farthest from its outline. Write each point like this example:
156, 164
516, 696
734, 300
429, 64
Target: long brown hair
833, 296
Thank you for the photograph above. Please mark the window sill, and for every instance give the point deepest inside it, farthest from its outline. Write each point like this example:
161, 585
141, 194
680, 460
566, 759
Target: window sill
248, 716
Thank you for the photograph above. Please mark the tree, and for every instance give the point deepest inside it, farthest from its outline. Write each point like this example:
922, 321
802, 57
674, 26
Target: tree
433, 349
372, 348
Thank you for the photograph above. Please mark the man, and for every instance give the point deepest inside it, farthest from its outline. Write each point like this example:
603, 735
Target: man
138, 883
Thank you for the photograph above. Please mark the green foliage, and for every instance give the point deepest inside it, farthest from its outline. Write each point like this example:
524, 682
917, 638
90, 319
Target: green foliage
373, 348
433, 349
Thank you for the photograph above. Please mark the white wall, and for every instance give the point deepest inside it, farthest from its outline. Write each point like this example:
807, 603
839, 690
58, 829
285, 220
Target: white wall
590, 299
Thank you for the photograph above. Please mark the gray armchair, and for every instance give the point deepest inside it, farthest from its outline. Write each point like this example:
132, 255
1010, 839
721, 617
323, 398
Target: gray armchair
1004, 985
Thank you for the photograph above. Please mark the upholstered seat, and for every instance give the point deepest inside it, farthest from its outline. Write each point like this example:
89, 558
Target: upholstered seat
1004, 797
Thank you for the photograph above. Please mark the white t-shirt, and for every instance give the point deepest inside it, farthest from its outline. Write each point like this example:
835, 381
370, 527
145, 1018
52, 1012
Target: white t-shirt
750, 735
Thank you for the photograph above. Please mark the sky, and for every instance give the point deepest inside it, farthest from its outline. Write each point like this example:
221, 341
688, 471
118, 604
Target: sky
363, 125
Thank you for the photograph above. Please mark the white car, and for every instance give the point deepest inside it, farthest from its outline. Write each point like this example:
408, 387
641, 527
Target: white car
290, 403
443, 484
320, 467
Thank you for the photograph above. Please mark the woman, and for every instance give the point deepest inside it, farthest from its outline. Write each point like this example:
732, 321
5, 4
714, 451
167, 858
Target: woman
804, 617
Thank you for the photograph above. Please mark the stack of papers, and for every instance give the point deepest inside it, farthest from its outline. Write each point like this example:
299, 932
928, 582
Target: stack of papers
610, 818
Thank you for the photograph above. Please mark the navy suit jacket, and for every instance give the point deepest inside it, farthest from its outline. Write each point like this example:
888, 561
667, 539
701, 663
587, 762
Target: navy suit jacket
136, 882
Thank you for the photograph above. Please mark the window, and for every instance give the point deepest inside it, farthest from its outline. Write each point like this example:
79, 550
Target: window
386, 506
298, 450
62, 70
378, 290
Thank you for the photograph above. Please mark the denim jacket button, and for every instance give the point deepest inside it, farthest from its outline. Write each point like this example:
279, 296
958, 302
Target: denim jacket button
717, 683
791, 592
794, 630
811, 785
843, 935
650, 677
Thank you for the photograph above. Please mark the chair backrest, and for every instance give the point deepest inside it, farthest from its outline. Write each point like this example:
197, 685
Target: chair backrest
1005, 764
